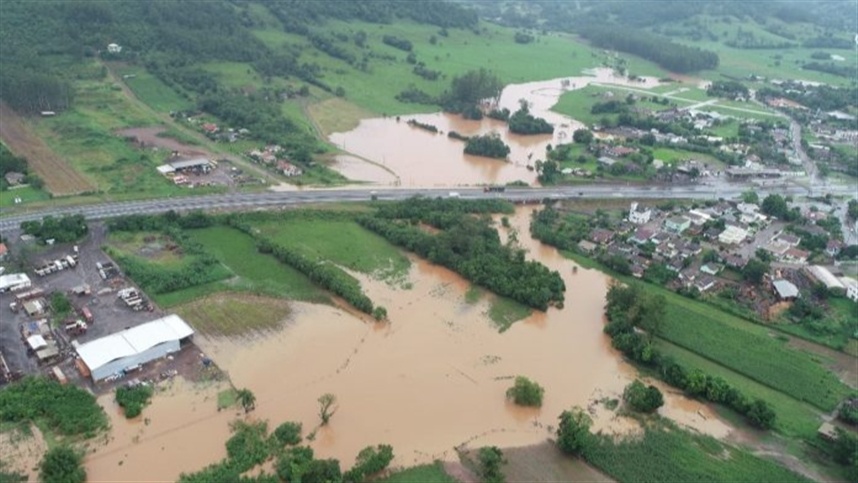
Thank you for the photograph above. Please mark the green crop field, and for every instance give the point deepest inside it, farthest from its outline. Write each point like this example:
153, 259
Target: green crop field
342, 242
795, 418
256, 272
669, 454
151, 91
749, 350
433, 473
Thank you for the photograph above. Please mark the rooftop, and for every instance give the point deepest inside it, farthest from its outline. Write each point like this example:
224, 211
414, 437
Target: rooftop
133, 341
785, 289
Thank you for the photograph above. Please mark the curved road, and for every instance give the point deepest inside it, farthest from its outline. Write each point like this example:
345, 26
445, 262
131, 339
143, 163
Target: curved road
272, 199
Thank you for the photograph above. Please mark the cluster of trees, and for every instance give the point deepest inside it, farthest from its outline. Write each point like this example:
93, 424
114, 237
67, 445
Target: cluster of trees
422, 125
297, 14
525, 392
629, 307
641, 398
469, 89
522, 122
488, 145
776, 205
823, 97
672, 56
490, 462
830, 68
730, 89
132, 399
469, 246
62, 464
250, 445
65, 409
413, 95
327, 276
65, 229
422, 71
398, 43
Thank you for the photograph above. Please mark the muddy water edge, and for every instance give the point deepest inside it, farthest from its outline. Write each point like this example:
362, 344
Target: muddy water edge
431, 380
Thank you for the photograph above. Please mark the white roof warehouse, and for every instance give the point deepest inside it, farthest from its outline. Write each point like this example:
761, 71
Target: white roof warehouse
134, 347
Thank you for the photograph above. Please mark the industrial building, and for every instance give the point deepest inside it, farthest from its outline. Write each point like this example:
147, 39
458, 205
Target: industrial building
14, 281
131, 348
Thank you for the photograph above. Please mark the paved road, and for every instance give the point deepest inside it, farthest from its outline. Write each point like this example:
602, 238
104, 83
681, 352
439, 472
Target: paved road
268, 199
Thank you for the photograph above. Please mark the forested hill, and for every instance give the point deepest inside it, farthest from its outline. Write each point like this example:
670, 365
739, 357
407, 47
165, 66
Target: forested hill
41, 41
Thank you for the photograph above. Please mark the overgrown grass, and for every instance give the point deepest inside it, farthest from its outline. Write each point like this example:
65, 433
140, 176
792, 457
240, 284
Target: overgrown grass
151, 91
151, 246
431, 473
342, 242
666, 453
28, 194
227, 398
229, 314
504, 312
749, 350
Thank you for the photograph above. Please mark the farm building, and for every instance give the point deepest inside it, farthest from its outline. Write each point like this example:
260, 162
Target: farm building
202, 165
131, 348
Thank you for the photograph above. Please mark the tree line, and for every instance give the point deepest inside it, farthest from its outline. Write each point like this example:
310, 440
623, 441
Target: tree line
469, 246
488, 145
670, 55
65, 229
522, 122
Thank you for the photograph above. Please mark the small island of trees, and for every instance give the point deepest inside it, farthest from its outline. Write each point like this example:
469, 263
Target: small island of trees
522, 122
489, 145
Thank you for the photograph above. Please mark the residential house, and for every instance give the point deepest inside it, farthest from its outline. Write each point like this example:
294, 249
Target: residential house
795, 255
619, 151
711, 268
114, 48
677, 224
600, 236
698, 217
14, 178
639, 214
789, 239
784, 289
833, 247
705, 283
777, 248
735, 261
289, 169
641, 236
748, 208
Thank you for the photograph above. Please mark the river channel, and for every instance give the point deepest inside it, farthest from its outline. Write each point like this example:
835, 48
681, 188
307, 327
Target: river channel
417, 157
431, 379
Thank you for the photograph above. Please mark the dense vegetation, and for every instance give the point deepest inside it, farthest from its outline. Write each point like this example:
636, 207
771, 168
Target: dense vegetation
468, 90
641, 398
62, 464
65, 229
9, 163
469, 246
132, 399
66, 409
522, 122
488, 145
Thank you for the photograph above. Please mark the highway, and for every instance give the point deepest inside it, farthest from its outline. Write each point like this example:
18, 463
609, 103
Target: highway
245, 201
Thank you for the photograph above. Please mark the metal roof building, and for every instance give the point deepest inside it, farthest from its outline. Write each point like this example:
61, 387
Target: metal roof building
134, 347
785, 289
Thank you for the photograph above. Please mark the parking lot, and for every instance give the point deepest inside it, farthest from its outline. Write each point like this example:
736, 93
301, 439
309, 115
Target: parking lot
109, 313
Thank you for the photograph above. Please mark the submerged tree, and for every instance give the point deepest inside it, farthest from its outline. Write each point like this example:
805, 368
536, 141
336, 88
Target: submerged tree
573, 433
247, 400
326, 401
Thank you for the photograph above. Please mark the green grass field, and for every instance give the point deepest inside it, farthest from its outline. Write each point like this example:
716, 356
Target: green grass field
28, 194
257, 273
151, 91
748, 349
504, 312
668, 454
432, 473
671, 156
795, 418
341, 241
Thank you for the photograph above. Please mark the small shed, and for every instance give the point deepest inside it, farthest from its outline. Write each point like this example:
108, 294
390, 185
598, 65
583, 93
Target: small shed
827, 431
785, 290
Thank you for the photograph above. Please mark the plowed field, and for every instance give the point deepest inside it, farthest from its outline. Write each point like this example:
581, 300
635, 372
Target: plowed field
60, 177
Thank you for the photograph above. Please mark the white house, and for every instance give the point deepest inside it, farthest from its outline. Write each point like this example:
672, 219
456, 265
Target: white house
131, 348
638, 214
114, 48
851, 288
732, 235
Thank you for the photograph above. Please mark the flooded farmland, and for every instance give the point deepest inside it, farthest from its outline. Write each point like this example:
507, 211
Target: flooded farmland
422, 158
431, 379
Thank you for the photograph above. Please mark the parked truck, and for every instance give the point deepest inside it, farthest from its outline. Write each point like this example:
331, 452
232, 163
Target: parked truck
87, 314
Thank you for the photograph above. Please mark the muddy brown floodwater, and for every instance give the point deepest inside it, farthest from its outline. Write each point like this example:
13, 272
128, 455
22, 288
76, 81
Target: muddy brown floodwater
431, 379
422, 158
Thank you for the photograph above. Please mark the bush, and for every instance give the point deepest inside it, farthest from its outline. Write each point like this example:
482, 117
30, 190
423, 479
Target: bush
526, 392
66, 409
133, 399
62, 464
491, 459
642, 398
370, 461
573, 432
489, 145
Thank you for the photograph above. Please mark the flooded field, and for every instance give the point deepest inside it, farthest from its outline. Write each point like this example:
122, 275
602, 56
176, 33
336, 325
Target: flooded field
434, 378
422, 158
